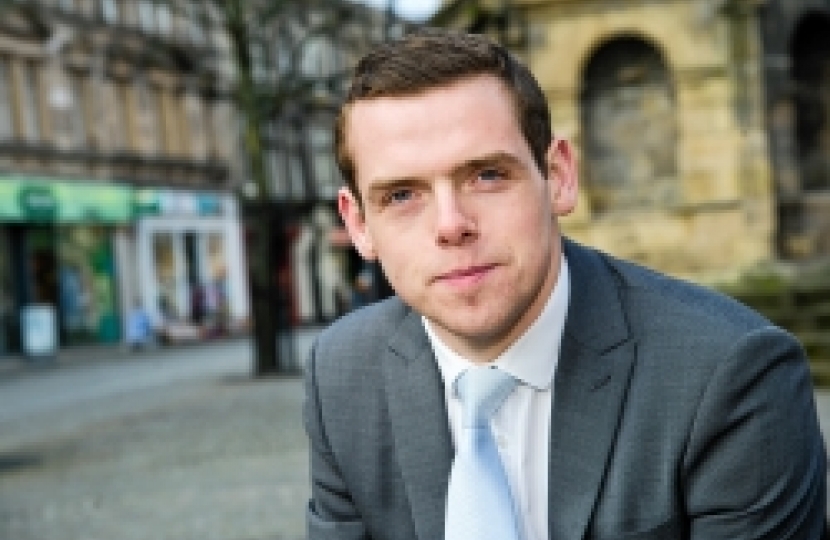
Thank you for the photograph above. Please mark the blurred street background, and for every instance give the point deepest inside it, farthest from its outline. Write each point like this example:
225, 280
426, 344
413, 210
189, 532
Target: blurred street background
170, 244
168, 444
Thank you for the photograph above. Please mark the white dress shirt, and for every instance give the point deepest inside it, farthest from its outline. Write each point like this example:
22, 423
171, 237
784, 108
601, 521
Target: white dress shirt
522, 426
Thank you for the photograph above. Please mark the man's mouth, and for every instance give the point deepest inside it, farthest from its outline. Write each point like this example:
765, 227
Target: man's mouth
468, 275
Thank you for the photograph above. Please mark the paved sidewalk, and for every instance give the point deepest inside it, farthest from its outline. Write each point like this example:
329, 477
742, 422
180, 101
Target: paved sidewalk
205, 456
18, 363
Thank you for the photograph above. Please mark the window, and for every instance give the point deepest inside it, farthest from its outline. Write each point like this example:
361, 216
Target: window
195, 118
148, 116
6, 107
285, 162
115, 108
30, 103
627, 89
800, 143
195, 21
164, 19
77, 113
110, 11
811, 72
147, 15
318, 58
326, 176
107, 123
167, 267
259, 62
224, 130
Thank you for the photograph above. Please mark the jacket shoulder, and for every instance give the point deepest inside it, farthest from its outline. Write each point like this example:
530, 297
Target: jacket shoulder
359, 337
682, 315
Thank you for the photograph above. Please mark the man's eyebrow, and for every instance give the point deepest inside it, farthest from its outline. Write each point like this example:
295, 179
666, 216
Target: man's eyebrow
381, 185
496, 158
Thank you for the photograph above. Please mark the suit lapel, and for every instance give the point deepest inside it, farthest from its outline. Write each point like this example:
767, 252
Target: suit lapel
591, 383
420, 428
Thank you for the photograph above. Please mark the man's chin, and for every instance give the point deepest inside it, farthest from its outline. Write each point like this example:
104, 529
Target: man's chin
471, 334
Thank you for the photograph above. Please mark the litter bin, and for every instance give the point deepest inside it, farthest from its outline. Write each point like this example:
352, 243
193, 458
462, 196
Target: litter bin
39, 336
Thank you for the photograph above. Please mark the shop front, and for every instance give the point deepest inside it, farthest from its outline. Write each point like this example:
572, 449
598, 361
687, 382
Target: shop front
56, 252
191, 272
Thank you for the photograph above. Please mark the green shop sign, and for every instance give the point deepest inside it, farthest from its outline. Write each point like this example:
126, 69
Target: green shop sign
25, 198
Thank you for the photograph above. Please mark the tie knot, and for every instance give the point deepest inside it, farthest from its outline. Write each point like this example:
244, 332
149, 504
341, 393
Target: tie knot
482, 390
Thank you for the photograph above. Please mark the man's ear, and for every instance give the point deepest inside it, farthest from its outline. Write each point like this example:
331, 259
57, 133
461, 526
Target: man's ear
352, 215
563, 178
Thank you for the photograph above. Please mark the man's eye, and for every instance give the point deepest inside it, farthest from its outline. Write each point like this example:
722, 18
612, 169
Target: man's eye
399, 196
490, 175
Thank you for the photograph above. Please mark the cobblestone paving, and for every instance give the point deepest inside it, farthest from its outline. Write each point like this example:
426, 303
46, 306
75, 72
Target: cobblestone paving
210, 460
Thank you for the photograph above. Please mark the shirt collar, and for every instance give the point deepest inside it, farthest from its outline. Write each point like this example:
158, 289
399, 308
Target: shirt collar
533, 357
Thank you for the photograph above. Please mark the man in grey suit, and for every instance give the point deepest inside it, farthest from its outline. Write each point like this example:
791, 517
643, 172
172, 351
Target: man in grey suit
646, 408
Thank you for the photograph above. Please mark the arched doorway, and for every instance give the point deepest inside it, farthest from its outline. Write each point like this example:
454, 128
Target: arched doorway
629, 126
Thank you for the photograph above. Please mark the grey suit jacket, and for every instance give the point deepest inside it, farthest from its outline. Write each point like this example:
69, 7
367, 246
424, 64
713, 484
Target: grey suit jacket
677, 414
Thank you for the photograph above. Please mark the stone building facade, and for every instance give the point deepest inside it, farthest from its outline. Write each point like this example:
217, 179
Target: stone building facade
701, 126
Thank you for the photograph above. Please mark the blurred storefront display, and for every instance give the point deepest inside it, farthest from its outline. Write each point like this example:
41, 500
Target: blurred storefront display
55, 239
191, 274
94, 252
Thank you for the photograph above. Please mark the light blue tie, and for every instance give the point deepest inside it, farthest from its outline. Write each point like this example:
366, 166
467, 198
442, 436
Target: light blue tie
479, 504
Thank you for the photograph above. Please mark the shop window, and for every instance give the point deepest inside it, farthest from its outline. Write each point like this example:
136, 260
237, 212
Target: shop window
40, 265
86, 275
167, 275
629, 127
6, 106
217, 300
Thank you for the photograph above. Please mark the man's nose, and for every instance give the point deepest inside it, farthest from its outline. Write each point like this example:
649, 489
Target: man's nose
455, 223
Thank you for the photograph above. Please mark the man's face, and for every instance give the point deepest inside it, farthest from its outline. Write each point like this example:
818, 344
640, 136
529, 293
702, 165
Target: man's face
457, 211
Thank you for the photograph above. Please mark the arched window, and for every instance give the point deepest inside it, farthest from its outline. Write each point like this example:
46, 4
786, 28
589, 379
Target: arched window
810, 50
629, 127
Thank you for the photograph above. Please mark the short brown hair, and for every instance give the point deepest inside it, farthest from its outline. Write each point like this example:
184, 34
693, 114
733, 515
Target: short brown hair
430, 58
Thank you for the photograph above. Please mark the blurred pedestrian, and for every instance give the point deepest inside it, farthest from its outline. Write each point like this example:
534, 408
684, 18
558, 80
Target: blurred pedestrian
139, 327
